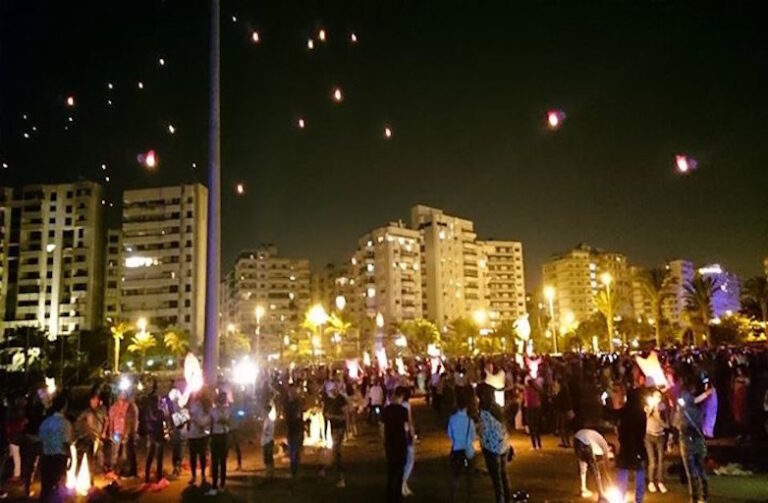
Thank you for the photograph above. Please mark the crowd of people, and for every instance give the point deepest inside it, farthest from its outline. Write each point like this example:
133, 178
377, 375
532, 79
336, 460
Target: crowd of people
584, 399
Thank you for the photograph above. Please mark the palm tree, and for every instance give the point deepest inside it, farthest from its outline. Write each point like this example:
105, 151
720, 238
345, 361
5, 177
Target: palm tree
142, 342
337, 325
607, 304
654, 283
176, 341
460, 338
756, 294
419, 333
118, 330
699, 293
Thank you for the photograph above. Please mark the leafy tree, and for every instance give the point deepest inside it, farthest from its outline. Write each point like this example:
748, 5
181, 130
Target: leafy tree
506, 334
420, 333
755, 296
593, 326
456, 341
176, 341
234, 344
731, 330
699, 293
608, 306
142, 342
337, 325
654, 283
118, 329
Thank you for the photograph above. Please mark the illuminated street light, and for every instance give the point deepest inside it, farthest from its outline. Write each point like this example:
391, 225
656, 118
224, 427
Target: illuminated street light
606, 279
317, 315
480, 316
231, 328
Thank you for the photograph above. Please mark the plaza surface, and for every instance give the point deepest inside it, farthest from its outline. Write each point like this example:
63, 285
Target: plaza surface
549, 475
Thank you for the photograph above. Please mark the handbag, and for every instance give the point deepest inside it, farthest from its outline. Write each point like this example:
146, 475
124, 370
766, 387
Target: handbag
459, 458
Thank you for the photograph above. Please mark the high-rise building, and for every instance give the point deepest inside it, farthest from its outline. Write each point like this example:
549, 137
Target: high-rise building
278, 286
642, 307
453, 283
387, 274
726, 298
112, 275
163, 258
52, 257
331, 282
505, 290
576, 278
679, 274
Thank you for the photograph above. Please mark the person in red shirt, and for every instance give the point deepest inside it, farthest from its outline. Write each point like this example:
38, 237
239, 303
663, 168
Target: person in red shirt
532, 397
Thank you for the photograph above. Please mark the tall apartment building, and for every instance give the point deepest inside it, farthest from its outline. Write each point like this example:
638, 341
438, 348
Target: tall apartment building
162, 265
680, 273
453, 284
642, 308
387, 274
503, 264
726, 299
331, 282
575, 275
278, 284
112, 275
52, 257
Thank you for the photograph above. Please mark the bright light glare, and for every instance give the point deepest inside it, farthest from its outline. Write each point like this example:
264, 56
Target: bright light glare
549, 292
70, 101
255, 37
125, 383
245, 372
337, 95
613, 495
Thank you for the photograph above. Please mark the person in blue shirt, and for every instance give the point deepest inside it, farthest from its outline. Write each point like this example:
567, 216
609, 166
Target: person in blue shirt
461, 431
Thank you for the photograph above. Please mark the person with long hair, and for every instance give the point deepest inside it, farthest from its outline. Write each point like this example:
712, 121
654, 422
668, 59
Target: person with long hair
493, 439
220, 421
199, 428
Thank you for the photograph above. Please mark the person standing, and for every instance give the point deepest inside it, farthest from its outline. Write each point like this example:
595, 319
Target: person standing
532, 397
461, 431
740, 394
493, 438
89, 429
336, 413
294, 419
693, 449
410, 437
199, 429
56, 437
155, 422
655, 442
123, 429
375, 398
632, 456
221, 417
268, 441
15, 424
176, 422
395, 429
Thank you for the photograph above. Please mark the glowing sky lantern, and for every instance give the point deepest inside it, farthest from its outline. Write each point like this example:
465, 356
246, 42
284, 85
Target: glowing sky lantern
353, 38
310, 44
149, 159
685, 164
193, 374
337, 95
387, 132
301, 123
353, 368
651, 367
70, 101
140, 85
240, 188
161, 61
381, 358
321, 35
613, 495
255, 37
171, 128
555, 118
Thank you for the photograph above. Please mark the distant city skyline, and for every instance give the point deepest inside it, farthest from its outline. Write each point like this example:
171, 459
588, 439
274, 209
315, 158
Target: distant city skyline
519, 117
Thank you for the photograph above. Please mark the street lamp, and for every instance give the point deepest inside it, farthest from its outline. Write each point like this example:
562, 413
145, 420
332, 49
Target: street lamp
606, 279
549, 294
317, 317
259, 312
480, 316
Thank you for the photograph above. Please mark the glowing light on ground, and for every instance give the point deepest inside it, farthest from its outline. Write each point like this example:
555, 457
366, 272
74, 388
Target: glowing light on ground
83, 481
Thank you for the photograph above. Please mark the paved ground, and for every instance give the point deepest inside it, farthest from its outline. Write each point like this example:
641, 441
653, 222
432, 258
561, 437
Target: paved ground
548, 476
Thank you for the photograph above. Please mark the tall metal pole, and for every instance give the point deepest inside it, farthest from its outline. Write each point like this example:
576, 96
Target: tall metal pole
213, 257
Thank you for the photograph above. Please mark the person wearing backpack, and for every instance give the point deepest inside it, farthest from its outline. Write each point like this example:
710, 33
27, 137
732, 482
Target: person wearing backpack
461, 431
693, 449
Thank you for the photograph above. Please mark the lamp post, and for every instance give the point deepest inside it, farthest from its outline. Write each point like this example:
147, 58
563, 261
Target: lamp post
213, 238
606, 279
259, 311
549, 294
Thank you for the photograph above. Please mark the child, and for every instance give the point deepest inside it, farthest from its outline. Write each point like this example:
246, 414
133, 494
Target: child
268, 441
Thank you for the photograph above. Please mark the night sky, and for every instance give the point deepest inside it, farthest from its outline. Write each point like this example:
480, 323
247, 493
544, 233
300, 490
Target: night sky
465, 87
